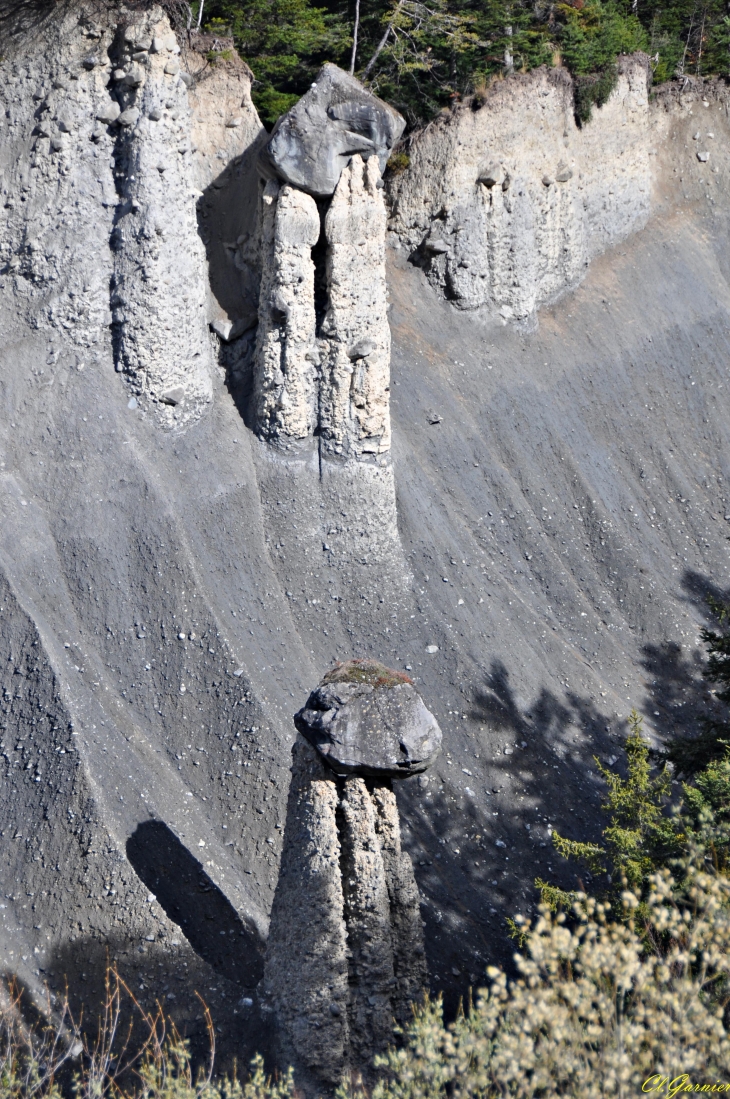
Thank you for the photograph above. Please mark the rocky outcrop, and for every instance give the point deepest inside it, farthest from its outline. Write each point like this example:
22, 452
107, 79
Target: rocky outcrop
355, 392
287, 356
334, 382
505, 204
112, 122
365, 719
312, 144
158, 284
345, 957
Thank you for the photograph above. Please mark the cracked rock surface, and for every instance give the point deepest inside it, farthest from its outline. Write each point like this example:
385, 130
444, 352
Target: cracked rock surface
528, 199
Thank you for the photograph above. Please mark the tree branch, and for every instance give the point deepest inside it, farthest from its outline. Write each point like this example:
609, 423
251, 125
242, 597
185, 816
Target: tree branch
354, 37
381, 43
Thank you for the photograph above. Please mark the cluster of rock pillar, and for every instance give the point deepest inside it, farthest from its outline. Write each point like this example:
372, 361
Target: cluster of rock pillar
345, 957
325, 371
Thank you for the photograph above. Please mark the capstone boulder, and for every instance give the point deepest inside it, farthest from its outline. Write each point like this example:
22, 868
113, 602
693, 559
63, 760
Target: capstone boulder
314, 142
365, 719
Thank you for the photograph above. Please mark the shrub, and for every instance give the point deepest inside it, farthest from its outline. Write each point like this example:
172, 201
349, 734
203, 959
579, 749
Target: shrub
640, 837
593, 91
692, 754
365, 671
646, 833
398, 163
595, 1008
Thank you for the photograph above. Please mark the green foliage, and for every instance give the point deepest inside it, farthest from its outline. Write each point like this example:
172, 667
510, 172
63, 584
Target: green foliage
645, 834
593, 91
640, 837
594, 34
418, 69
692, 754
285, 42
704, 819
423, 55
398, 163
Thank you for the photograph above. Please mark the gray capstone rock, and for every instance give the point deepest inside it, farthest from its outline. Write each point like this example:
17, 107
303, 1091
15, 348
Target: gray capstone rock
313, 142
365, 719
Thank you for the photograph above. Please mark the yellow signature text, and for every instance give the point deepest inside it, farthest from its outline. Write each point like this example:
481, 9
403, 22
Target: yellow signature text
665, 1085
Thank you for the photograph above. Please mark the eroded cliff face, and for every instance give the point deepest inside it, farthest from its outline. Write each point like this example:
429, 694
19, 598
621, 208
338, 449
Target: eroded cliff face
101, 171
174, 577
506, 201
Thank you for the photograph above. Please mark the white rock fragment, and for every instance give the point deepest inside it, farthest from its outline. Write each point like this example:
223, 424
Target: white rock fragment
134, 77
109, 113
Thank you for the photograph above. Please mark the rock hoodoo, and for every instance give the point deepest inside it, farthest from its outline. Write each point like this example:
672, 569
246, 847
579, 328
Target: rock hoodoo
332, 379
345, 955
326, 371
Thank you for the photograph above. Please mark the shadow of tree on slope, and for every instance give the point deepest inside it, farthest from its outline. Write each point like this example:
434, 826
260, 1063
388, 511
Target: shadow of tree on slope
678, 697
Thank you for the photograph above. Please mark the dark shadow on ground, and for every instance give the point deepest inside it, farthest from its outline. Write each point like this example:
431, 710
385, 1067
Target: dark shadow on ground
475, 857
678, 699
206, 917
532, 765
164, 973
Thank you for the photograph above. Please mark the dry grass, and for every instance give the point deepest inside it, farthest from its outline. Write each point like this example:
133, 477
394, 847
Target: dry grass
134, 1054
365, 671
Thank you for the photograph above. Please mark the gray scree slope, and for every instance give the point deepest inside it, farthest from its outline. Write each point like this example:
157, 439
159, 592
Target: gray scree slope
169, 597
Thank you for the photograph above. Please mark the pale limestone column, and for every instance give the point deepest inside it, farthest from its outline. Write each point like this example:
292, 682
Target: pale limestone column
409, 955
368, 920
355, 387
285, 392
345, 957
306, 969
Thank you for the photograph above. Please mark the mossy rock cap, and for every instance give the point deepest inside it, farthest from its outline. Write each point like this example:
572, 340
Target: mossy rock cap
367, 719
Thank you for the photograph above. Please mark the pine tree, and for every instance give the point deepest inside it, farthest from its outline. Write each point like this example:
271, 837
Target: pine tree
640, 835
285, 42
